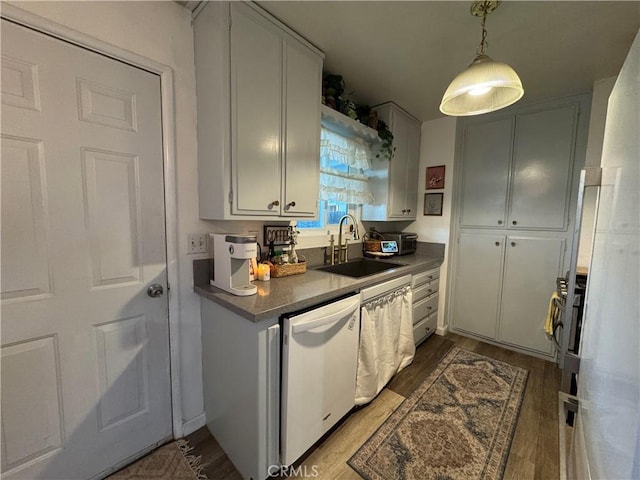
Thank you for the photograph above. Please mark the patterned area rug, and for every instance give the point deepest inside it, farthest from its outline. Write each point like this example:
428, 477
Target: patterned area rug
458, 424
169, 462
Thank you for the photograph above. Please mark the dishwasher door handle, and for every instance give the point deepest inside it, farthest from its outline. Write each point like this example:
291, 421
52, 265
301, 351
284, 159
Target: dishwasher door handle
319, 322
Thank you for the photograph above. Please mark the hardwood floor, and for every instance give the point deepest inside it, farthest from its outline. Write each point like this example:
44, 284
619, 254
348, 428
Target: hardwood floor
534, 451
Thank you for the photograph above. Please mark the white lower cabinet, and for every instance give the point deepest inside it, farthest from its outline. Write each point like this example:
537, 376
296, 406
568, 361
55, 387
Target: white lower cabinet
531, 268
503, 285
478, 279
424, 287
241, 380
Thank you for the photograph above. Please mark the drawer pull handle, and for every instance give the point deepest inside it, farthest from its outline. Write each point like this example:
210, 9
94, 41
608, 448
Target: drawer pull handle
513, 244
514, 222
429, 308
289, 205
497, 244
275, 203
499, 222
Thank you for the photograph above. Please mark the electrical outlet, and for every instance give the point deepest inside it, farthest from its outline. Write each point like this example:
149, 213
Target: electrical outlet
197, 243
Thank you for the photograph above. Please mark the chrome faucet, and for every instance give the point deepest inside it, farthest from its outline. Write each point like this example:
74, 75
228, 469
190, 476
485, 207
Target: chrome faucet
344, 248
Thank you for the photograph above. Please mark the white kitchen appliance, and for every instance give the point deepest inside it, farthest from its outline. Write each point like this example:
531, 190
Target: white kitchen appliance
232, 256
606, 437
319, 360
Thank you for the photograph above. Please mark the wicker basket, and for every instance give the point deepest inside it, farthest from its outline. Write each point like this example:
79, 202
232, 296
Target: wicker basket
287, 269
372, 246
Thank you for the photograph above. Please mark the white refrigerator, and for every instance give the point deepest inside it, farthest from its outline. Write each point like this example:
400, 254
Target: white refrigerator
606, 440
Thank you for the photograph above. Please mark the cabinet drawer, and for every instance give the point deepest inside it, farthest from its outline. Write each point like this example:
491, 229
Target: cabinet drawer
424, 277
425, 328
425, 290
425, 307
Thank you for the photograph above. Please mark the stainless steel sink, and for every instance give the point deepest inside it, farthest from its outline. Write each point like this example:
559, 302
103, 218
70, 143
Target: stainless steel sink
360, 268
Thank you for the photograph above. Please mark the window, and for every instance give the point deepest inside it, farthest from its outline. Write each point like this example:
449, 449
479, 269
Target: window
343, 185
329, 214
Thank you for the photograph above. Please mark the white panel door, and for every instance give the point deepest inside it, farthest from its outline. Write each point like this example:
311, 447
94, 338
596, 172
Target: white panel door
531, 268
478, 280
85, 358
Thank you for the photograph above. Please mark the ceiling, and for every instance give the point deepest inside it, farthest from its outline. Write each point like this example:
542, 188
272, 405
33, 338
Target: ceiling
408, 52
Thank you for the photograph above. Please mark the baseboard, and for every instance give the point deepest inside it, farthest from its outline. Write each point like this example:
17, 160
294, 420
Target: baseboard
193, 424
442, 331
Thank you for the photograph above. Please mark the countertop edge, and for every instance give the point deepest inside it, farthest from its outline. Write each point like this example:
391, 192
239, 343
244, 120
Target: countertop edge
229, 301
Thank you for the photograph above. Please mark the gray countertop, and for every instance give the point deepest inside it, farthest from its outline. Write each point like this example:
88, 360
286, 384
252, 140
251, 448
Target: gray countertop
296, 292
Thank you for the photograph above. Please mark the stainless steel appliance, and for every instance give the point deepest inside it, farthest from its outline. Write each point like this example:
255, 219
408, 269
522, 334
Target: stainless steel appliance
407, 242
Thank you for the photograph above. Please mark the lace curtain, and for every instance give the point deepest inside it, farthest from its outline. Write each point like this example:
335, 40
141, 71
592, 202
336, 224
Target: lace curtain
342, 161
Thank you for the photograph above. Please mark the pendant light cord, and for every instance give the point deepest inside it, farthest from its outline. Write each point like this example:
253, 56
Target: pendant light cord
483, 43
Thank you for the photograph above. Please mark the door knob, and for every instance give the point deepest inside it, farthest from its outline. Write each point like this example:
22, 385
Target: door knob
289, 205
155, 290
499, 222
514, 222
513, 244
497, 244
275, 203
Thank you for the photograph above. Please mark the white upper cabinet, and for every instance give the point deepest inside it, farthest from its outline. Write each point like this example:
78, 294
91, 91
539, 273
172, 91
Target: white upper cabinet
394, 183
258, 93
485, 176
301, 179
542, 161
517, 170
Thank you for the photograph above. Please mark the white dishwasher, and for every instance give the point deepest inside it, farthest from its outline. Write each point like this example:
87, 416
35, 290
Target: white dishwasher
319, 362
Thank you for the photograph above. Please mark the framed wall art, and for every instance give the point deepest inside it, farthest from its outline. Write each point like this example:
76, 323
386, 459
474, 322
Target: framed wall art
433, 204
435, 178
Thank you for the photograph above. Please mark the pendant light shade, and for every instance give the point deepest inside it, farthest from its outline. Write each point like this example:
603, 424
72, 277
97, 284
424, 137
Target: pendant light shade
486, 85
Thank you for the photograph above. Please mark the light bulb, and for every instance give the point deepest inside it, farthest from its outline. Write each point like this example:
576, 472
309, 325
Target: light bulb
476, 92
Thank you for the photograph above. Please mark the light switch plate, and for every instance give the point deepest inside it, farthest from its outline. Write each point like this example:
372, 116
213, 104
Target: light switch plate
197, 243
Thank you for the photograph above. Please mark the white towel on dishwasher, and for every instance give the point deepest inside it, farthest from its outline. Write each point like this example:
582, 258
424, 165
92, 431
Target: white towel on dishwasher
386, 342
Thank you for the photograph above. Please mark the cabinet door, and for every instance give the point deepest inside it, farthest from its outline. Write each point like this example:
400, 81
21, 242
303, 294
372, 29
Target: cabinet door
256, 113
398, 165
413, 162
543, 157
532, 266
302, 152
485, 173
477, 283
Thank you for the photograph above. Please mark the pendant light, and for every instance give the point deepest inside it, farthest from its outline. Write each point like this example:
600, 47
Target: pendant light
486, 85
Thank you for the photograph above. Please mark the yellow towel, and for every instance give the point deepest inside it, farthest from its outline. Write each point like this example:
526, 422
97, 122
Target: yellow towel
552, 314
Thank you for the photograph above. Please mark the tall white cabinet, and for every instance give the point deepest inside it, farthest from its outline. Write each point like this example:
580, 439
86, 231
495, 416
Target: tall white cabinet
393, 182
258, 90
517, 173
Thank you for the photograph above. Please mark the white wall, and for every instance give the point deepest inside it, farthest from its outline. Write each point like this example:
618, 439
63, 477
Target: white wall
599, 100
160, 31
437, 147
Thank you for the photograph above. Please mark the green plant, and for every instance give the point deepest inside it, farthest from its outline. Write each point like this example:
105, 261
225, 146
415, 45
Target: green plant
386, 149
333, 87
